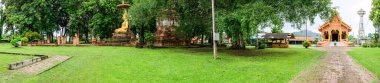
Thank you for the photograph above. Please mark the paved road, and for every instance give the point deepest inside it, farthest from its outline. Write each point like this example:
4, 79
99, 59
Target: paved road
336, 67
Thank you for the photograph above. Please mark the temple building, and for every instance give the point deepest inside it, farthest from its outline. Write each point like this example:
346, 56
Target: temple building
335, 32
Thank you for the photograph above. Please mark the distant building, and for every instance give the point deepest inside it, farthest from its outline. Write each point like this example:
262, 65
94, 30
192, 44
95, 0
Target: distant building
278, 40
300, 40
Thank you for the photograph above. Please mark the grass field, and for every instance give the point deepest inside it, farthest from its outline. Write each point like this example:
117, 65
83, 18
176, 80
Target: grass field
368, 57
6, 59
128, 64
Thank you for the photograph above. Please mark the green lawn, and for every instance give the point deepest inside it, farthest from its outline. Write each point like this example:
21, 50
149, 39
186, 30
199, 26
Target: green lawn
128, 64
6, 59
368, 57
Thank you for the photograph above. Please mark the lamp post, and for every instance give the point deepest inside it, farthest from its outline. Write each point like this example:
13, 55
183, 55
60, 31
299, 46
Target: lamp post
214, 41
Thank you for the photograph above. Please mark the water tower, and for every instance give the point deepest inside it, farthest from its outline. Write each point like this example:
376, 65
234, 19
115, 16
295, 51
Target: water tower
361, 13
361, 36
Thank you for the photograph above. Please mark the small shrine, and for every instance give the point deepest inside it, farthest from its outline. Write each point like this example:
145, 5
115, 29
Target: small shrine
334, 32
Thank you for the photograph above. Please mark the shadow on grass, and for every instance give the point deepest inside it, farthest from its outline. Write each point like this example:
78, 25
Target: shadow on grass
244, 52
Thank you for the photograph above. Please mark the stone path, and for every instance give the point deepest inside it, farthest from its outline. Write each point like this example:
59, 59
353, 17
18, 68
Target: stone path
42, 66
336, 67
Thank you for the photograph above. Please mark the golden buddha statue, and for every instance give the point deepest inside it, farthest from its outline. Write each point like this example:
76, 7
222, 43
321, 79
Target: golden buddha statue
124, 25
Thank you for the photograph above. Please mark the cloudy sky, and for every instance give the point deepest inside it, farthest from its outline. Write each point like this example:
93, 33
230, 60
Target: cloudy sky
348, 11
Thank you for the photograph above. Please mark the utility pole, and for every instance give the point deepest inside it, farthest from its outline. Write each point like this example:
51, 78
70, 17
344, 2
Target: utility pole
213, 30
306, 30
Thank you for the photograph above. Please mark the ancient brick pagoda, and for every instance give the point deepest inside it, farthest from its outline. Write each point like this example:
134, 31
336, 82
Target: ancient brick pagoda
335, 32
165, 33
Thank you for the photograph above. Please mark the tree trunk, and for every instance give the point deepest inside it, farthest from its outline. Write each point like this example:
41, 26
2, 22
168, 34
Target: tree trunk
49, 37
378, 33
87, 41
239, 44
141, 38
202, 39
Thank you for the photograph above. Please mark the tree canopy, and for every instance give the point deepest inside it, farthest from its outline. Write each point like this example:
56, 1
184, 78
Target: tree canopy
375, 15
239, 19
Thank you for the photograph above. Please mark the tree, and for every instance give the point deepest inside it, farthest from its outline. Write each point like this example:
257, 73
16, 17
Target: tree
195, 16
144, 14
277, 30
351, 38
375, 15
240, 18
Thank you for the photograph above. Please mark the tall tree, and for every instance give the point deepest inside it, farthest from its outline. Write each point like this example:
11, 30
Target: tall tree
144, 14
240, 18
375, 15
194, 19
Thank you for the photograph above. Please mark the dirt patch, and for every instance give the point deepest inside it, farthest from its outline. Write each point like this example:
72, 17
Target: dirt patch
336, 67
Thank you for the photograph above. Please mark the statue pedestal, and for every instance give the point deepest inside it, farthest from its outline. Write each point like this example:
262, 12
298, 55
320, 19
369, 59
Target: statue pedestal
122, 39
61, 40
76, 40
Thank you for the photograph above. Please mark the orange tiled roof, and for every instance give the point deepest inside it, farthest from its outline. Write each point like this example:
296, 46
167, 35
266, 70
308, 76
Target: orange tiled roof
339, 20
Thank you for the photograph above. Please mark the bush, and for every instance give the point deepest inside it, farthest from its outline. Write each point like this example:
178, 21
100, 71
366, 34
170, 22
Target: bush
15, 40
306, 44
366, 45
33, 36
262, 44
376, 45
24, 40
150, 38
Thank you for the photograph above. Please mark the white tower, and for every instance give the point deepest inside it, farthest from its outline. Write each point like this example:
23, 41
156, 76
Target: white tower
361, 33
361, 13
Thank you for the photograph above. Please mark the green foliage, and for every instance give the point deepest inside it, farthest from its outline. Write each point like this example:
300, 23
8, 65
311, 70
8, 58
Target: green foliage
366, 45
240, 18
150, 38
375, 38
15, 40
306, 44
351, 38
375, 12
145, 13
277, 30
194, 19
33, 36
315, 41
371, 45
262, 44
24, 40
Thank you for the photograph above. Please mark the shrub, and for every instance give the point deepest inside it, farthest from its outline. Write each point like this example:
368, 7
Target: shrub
366, 45
15, 40
306, 44
262, 44
150, 38
33, 36
24, 40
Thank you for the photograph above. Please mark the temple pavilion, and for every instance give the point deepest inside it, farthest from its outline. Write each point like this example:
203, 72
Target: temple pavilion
334, 32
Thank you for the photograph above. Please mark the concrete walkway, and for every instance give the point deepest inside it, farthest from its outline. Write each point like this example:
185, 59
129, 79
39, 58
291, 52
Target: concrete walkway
336, 67
42, 66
